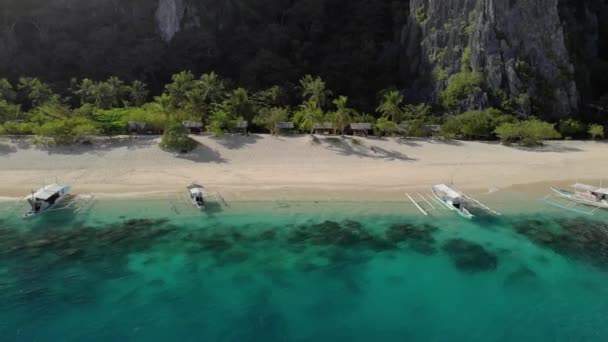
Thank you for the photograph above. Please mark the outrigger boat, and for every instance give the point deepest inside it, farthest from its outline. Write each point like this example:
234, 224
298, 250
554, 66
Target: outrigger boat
453, 199
45, 199
197, 193
582, 194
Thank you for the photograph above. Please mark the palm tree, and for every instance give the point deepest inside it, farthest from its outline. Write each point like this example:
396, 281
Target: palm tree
390, 106
84, 90
269, 98
240, 104
213, 87
104, 95
197, 103
118, 90
314, 89
37, 91
309, 115
138, 93
182, 83
7, 93
342, 116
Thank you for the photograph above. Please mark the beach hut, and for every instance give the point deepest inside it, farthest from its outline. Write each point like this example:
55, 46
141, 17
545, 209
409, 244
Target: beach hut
323, 128
136, 127
193, 126
361, 128
241, 127
432, 129
284, 127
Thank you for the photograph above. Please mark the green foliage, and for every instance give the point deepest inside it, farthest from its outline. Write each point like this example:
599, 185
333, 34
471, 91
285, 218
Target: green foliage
36, 91
421, 16
7, 92
220, 121
308, 115
571, 128
440, 74
466, 60
596, 131
390, 106
475, 124
178, 89
138, 93
460, 86
387, 126
355, 142
66, 131
315, 90
9, 111
528, 133
364, 118
268, 117
19, 128
343, 115
176, 138
269, 98
421, 112
239, 104
110, 122
2, 130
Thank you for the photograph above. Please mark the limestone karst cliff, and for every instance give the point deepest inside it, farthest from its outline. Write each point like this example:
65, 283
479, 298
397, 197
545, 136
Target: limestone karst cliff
537, 57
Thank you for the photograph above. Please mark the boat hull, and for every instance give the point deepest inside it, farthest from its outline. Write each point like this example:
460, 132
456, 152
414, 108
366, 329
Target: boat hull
448, 204
571, 196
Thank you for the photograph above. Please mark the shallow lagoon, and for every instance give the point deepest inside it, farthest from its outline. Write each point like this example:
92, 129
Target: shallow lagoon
294, 271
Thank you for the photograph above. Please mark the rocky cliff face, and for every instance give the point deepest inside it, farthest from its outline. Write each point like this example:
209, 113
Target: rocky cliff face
518, 46
541, 57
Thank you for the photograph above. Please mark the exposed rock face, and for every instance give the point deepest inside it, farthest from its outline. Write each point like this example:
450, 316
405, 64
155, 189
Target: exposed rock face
540, 57
517, 45
169, 16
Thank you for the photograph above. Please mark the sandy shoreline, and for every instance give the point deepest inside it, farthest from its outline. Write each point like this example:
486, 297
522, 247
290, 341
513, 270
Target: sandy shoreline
261, 167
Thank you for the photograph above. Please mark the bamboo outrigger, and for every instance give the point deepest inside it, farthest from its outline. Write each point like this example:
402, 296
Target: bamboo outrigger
584, 194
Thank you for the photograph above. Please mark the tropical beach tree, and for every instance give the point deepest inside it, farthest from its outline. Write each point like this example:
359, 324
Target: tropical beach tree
213, 87
269, 117
314, 90
181, 84
176, 138
37, 92
269, 98
220, 121
138, 93
308, 115
84, 90
7, 92
239, 104
596, 131
390, 106
9, 111
571, 128
343, 115
528, 133
384, 125
104, 95
421, 112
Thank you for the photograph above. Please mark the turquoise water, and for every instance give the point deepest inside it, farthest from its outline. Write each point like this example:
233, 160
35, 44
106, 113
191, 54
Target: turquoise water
146, 271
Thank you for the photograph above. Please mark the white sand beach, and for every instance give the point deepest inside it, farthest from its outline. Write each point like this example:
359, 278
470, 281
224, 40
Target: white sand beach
262, 167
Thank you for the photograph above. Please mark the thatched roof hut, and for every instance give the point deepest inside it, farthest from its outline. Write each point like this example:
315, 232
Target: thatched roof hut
284, 125
136, 127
